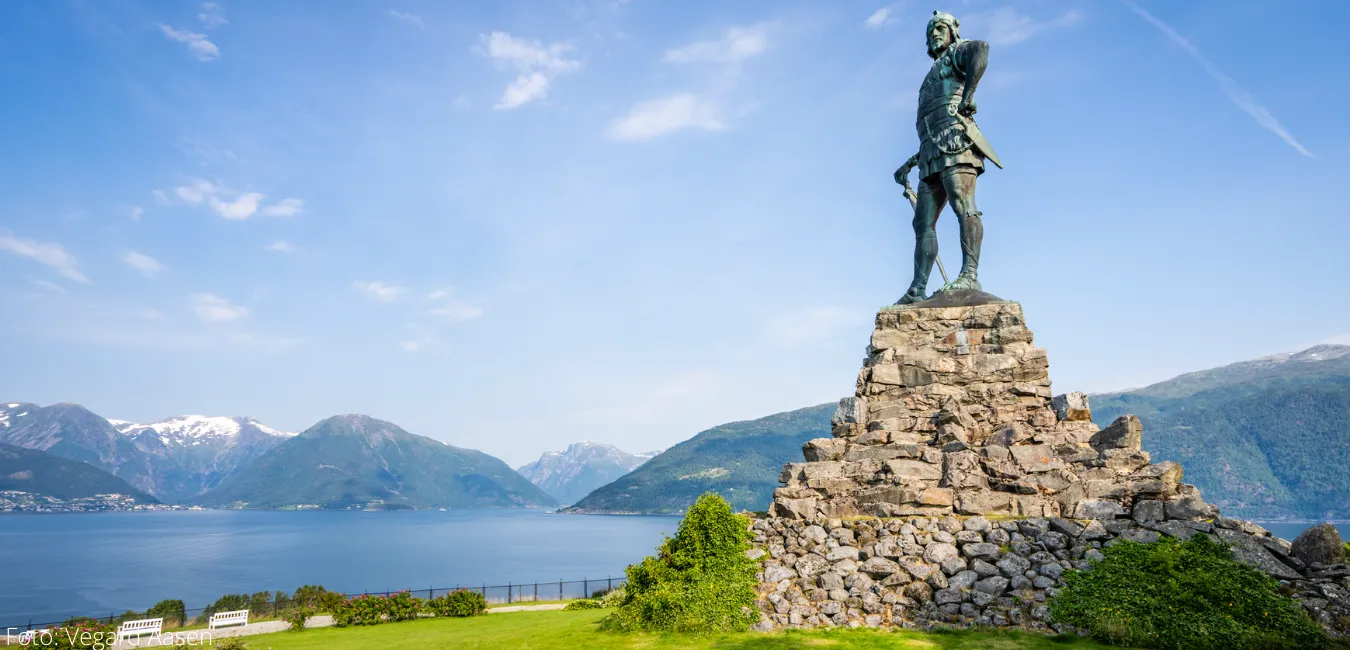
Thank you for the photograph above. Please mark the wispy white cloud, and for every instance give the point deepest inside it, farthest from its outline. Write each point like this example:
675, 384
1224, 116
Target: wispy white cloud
735, 45
285, 208
657, 117
457, 312
240, 207
134, 212
410, 346
160, 196
230, 204
212, 15
536, 65
1007, 26
50, 286
147, 265
212, 308
281, 246
1230, 88
379, 290
878, 19
198, 46
50, 254
406, 17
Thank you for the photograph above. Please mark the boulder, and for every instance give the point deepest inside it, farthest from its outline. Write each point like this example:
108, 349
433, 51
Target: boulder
1072, 407
1093, 509
851, 410
824, 449
1125, 433
1319, 544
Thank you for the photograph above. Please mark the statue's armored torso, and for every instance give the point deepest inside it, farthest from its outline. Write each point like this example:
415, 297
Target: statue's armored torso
943, 141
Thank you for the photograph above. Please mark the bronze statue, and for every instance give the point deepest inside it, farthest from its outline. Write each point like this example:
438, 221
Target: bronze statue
951, 154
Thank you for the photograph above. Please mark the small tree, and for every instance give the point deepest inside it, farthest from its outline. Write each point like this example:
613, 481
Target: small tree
169, 610
700, 580
1176, 595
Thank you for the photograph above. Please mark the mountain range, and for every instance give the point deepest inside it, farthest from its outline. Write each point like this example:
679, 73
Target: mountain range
343, 462
1264, 439
173, 459
572, 473
354, 460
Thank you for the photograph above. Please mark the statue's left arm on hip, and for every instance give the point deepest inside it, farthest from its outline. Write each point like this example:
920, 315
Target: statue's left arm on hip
972, 57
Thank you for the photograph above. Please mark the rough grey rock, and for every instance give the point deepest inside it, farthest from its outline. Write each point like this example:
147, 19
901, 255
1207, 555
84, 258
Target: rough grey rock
1320, 544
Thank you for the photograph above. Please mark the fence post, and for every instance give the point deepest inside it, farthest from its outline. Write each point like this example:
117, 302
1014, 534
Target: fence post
508, 592
536, 592
560, 590
585, 588
609, 584
431, 593
484, 592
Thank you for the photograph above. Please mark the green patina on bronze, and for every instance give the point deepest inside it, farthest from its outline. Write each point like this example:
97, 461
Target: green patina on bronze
951, 154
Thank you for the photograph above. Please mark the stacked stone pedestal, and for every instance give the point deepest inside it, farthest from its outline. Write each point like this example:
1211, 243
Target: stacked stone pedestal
956, 489
953, 415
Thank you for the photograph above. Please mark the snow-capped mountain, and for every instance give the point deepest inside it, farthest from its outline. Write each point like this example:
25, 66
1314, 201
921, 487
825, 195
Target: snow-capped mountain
173, 459
573, 473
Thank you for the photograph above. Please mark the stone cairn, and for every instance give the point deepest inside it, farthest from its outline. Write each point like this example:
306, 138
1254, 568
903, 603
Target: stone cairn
957, 490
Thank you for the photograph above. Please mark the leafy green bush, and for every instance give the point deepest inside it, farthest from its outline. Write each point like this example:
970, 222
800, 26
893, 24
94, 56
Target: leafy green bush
699, 581
613, 597
296, 618
1176, 595
461, 602
172, 611
329, 601
584, 603
309, 595
1347, 550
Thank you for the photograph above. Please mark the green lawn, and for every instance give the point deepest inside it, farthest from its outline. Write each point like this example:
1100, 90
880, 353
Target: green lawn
560, 630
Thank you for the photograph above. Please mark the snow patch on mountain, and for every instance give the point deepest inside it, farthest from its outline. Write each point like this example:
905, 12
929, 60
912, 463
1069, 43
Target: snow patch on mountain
195, 429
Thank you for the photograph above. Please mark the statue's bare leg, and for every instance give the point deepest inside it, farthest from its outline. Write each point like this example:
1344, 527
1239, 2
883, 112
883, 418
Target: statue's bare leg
959, 183
931, 197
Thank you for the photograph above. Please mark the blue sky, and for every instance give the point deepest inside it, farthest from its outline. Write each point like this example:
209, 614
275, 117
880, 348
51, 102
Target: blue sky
516, 225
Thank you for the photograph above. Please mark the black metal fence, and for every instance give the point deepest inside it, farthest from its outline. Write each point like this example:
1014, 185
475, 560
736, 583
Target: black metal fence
507, 594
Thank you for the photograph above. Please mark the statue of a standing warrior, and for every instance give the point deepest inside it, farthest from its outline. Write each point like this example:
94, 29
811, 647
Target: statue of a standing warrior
951, 154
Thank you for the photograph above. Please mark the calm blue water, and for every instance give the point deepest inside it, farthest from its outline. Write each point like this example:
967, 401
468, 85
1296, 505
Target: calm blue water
59, 565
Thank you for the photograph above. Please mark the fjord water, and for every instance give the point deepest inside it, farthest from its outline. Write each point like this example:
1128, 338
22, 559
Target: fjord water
59, 565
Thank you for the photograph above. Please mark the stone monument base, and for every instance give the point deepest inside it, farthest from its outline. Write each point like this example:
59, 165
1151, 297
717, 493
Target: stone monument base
956, 489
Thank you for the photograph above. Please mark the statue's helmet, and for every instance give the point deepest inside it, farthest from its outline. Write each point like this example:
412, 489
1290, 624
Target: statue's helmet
944, 18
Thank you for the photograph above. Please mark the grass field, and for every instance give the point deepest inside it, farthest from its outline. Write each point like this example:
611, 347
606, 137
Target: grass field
560, 630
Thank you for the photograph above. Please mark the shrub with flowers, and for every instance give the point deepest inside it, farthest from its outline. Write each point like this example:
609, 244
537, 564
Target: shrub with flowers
461, 602
375, 609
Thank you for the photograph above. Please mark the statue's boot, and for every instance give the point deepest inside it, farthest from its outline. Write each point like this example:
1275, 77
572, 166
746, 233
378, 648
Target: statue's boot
912, 296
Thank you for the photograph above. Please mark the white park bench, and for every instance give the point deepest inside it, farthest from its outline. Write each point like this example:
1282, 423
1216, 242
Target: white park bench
228, 618
27, 637
138, 628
